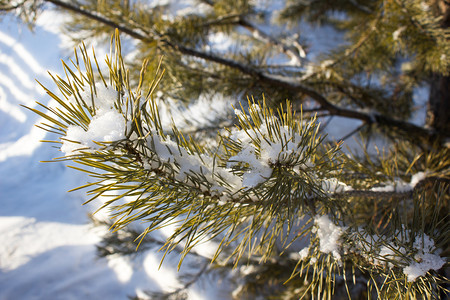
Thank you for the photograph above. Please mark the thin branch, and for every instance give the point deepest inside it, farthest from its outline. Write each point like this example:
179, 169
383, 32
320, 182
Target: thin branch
361, 7
264, 37
309, 110
222, 20
330, 118
353, 132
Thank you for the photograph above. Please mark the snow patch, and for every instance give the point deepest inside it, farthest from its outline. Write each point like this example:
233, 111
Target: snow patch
399, 186
107, 125
396, 34
329, 235
104, 127
260, 165
303, 253
424, 260
121, 266
333, 185
259, 170
22, 238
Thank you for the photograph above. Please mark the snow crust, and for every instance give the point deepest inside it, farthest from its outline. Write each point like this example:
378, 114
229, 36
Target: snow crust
329, 236
259, 169
415, 261
189, 164
303, 254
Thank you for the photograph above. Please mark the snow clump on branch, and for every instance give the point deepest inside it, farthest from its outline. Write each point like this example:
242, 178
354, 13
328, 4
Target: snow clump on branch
329, 235
399, 186
422, 262
191, 165
106, 125
259, 151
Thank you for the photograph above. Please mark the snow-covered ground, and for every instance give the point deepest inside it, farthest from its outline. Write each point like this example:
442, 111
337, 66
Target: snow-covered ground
47, 242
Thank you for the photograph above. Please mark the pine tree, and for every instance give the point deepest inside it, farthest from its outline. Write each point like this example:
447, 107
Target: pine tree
372, 225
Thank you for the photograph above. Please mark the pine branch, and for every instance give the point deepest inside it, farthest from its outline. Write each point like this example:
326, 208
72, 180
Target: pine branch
408, 130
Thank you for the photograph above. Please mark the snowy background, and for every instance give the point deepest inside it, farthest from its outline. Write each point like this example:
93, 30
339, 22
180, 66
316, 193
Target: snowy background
47, 242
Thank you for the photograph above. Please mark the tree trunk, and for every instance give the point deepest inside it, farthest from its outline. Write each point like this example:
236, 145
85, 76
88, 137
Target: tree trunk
439, 101
439, 104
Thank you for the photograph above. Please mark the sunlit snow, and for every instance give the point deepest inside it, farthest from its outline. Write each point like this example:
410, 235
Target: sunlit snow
47, 242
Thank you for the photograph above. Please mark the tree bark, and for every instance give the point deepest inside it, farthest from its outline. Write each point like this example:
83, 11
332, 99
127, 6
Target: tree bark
438, 111
439, 104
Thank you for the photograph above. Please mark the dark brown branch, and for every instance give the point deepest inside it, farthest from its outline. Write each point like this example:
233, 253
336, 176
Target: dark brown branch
408, 129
